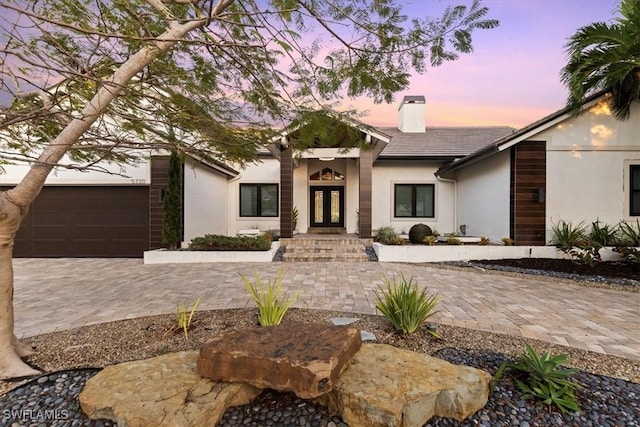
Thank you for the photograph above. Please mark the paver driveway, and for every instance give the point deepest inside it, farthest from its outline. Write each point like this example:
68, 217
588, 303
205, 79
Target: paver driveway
58, 294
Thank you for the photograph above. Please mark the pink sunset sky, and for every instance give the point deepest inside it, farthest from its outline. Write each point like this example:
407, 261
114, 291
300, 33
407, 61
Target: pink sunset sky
512, 77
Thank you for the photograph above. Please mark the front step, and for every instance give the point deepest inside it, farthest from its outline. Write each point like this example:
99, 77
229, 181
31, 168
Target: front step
325, 257
325, 249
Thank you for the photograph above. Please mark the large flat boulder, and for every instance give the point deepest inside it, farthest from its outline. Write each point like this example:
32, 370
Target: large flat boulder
162, 391
385, 386
306, 359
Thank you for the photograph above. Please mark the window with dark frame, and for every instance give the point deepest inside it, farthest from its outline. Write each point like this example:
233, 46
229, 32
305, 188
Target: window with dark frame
259, 200
414, 201
634, 191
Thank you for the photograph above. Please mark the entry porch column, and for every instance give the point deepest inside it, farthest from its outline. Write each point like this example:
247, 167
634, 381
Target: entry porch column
286, 193
366, 164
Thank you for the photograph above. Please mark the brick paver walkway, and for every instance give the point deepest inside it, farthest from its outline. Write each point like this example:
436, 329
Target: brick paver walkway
58, 294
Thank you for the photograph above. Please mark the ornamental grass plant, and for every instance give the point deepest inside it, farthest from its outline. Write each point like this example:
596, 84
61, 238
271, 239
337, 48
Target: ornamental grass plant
184, 316
405, 305
271, 308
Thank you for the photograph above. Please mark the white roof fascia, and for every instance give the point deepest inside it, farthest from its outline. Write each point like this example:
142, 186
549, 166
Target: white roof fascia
533, 132
546, 125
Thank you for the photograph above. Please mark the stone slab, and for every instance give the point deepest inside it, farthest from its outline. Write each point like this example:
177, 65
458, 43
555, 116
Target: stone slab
385, 386
162, 391
306, 359
367, 336
341, 321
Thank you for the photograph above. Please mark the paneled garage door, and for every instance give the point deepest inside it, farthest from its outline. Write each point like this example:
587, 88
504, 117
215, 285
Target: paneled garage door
86, 222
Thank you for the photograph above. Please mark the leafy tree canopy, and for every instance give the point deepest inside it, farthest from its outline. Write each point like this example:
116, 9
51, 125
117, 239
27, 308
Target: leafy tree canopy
243, 68
606, 57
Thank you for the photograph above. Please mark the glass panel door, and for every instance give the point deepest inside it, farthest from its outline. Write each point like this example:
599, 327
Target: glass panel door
318, 212
327, 206
335, 207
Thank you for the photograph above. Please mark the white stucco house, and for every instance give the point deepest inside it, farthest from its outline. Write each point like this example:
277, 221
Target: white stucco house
490, 181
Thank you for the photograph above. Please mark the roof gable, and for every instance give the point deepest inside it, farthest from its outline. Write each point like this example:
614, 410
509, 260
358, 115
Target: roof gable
520, 135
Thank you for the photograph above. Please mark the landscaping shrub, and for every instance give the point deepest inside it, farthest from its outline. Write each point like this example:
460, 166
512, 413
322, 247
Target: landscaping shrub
404, 305
605, 235
541, 377
418, 232
294, 217
387, 236
172, 205
582, 246
566, 235
507, 241
217, 242
431, 240
484, 241
630, 233
586, 251
629, 245
453, 240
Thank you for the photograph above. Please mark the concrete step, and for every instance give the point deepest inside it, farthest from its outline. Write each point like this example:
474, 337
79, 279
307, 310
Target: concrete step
325, 249
325, 257
319, 241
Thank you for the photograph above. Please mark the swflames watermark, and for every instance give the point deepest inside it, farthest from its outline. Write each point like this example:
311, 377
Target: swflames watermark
34, 415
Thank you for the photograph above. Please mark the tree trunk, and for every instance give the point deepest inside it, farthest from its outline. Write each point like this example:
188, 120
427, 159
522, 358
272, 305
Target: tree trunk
15, 203
11, 350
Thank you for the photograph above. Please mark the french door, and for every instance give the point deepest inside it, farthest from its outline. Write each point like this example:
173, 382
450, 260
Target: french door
327, 206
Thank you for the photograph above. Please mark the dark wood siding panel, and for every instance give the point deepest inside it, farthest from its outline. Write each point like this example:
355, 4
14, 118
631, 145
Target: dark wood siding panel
286, 193
85, 221
366, 165
528, 176
159, 182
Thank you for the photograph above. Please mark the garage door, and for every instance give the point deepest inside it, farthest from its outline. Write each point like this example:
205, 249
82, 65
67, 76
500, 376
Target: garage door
86, 222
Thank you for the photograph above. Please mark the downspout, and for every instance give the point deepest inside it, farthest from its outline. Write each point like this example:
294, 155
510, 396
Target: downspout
455, 199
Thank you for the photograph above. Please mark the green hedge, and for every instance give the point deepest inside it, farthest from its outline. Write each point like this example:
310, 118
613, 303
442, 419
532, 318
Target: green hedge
216, 242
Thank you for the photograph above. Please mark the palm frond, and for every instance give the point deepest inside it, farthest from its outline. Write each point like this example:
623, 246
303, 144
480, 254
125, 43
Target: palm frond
604, 57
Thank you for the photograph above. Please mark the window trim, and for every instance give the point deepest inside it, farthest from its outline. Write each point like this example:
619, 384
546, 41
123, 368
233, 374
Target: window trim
414, 187
259, 199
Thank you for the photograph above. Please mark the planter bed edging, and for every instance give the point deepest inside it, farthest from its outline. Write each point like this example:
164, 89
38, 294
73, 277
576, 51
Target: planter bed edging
163, 256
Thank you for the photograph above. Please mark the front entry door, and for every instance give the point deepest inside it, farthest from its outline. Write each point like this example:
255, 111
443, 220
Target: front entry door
327, 206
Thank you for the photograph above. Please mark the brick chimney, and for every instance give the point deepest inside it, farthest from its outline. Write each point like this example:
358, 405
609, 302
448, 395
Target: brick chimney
411, 114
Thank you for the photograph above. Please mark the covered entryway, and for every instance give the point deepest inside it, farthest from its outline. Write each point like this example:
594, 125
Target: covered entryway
342, 155
86, 221
327, 206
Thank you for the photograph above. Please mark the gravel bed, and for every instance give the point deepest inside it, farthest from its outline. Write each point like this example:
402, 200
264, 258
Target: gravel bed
279, 255
593, 278
52, 401
371, 253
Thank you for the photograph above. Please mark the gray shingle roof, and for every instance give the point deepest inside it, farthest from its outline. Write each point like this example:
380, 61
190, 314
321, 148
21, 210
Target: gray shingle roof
442, 141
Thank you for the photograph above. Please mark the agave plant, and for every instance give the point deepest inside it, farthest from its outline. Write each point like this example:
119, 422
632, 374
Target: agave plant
566, 235
543, 378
